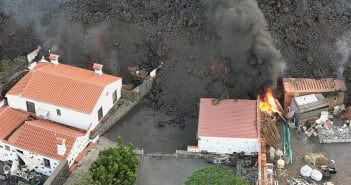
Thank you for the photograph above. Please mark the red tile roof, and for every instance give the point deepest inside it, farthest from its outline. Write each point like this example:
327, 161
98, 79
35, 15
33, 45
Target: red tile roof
53, 57
10, 119
308, 85
229, 118
40, 136
63, 85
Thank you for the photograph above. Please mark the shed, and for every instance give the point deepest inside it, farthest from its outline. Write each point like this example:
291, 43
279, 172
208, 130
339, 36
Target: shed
227, 127
334, 90
309, 106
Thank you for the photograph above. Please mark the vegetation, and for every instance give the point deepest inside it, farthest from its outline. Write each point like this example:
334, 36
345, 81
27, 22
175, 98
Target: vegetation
215, 175
114, 166
6, 64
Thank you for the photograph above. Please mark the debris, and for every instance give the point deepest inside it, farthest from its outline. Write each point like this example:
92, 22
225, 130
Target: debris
314, 159
316, 175
299, 181
269, 130
338, 109
306, 171
280, 164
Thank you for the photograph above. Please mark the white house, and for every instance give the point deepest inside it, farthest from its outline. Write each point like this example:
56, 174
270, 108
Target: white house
227, 127
40, 145
66, 94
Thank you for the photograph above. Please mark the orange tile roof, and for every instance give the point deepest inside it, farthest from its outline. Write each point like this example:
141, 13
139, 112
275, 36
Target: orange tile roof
308, 85
229, 118
63, 85
40, 136
10, 119
53, 57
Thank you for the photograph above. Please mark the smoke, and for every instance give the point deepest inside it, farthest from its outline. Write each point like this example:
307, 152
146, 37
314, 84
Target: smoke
51, 22
343, 48
246, 44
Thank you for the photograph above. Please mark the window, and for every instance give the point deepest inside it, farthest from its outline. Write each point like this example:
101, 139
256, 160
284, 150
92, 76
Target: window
100, 113
58, 112
47, 163
114, 96
30, 106
7, 147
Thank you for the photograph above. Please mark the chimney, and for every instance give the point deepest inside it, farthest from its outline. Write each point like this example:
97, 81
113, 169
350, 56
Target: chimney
54, 58
43, 59
97, 68
61, 146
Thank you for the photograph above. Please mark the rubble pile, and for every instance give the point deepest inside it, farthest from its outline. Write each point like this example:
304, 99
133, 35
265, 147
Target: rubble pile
334, 134
299, 181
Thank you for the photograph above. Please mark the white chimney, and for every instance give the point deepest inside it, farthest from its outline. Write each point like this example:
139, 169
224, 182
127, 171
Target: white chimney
43, 59
97, 68
32, 65
61, 146
54, 58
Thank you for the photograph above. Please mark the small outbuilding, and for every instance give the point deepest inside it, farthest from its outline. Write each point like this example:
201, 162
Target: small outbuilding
309, 106
228, 126
334, 90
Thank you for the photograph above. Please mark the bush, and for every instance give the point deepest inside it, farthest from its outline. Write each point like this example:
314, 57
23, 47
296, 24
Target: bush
215, 175
114, 166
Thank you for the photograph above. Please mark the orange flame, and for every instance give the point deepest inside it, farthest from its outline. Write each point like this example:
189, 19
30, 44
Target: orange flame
267, 102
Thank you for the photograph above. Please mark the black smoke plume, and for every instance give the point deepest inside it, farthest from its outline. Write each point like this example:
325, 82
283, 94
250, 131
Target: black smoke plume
246, 44
51, 21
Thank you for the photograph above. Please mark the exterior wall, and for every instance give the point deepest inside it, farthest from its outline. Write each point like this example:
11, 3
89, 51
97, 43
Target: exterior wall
228, 145
106, 101
68, 116
12, 155
77, 148
334, 98
59, 176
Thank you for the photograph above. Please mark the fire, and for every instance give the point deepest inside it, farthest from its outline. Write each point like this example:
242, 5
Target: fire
267, 102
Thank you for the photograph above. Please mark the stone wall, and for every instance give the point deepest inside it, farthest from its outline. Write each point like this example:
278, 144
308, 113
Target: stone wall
59, 176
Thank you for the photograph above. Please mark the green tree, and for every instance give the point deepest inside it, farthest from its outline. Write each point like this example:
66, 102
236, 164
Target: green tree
215, 175
114, 166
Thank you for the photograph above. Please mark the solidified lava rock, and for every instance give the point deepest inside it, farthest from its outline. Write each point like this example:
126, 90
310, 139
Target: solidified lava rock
177, 33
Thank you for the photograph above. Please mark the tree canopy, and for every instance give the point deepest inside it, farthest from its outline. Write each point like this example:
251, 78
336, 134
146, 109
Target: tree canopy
116, 165
215, 175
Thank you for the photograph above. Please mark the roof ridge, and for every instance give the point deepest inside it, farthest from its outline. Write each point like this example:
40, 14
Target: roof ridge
39, 126
68, 77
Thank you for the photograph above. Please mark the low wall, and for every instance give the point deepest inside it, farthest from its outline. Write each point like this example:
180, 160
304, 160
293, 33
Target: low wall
59, 176
128, 101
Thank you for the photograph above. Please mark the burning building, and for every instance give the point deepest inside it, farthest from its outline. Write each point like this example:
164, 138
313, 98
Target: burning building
236, 125
334, 90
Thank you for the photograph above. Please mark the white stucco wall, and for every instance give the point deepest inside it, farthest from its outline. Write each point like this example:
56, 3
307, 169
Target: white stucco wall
12, 155
224, 145
106, 101
68, 116
77, 148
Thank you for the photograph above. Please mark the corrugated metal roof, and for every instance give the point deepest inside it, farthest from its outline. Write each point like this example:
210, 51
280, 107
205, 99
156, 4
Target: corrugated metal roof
309, 85
229, 118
